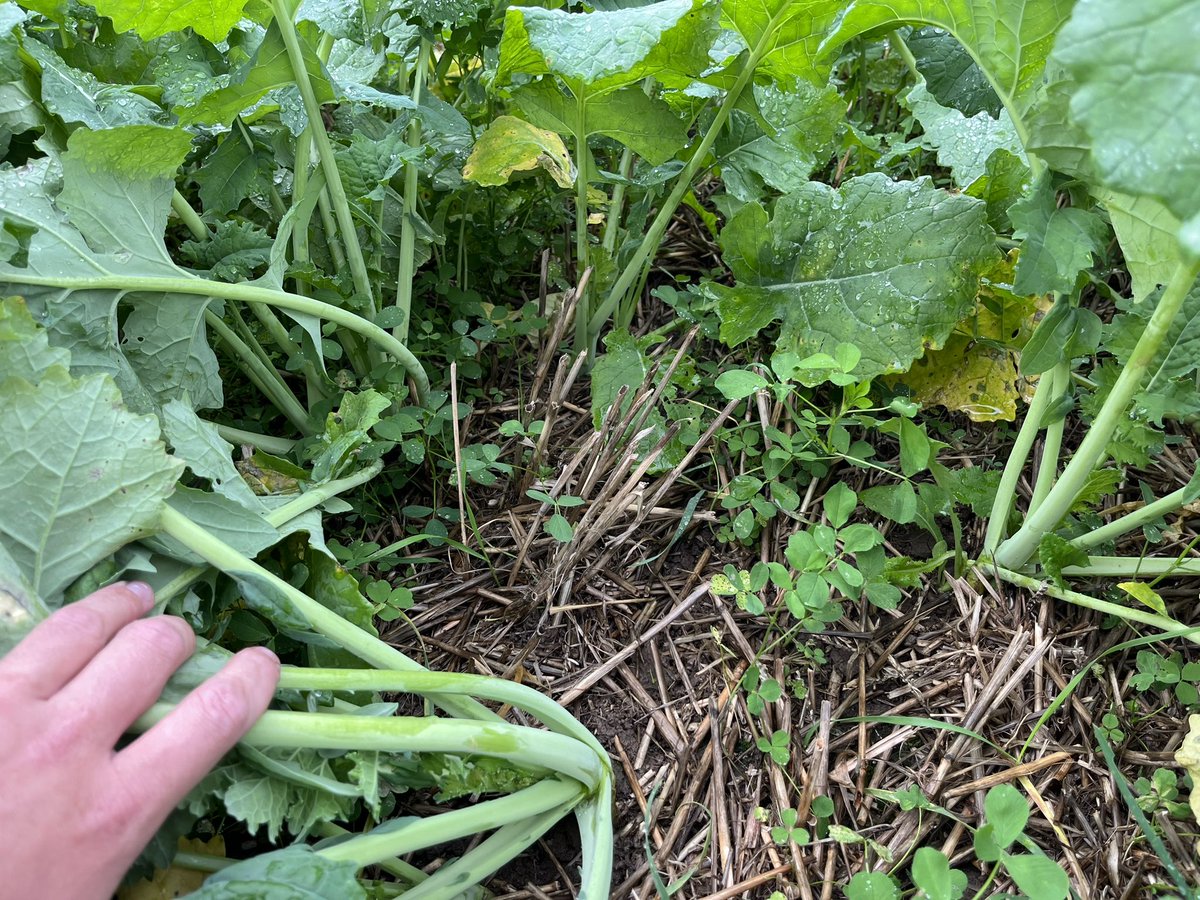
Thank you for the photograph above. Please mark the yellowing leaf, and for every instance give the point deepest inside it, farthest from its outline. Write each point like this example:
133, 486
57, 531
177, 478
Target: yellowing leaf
976, 371
175, 881
1188, 756
1143, 593
512, 145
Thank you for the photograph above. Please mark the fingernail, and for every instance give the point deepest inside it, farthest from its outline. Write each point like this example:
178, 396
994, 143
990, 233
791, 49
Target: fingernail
265, 654
143, 592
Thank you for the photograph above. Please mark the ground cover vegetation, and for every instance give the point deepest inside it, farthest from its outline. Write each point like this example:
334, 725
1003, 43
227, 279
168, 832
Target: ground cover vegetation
800, 392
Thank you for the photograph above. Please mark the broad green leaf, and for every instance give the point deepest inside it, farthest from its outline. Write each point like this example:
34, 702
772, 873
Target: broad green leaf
234, 249
1005, 180
889, 267
368, 163
24, 350
1134, 63
950, 73
1146, 231
82, 476
791, 130
454, 13
648, 126
1058, 242
1038, 876
963, 144
20, 606
239, 526
268, 70
1053, 134
232, 173
790, 32
839, 503
597, 52
212, 19
1009, 39
897, 502
871, 886
511, 145
77, 96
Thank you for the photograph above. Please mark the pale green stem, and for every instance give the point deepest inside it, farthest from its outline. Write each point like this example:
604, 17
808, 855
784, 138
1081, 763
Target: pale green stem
352, 638
1052, 442
1132, 567
408, 231
902, 50
417, 834
632, 272
1014, 552
1162, 623
201, 862
276, 446
238, 322
317, 495
1006, 493
330, 229
473, 867
245, 293
333, 179
517, 744
617, 206
188, 216
1136, 519
277, 517
397, 867
583, 304
265, 378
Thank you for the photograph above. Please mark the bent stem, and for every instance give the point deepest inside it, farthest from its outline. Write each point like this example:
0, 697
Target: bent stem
188, 217
325, 621
1136, 519
1162, 623
247, 293
274, 445
1014, 552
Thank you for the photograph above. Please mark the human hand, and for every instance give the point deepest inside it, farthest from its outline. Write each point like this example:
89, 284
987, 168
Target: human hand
75, 812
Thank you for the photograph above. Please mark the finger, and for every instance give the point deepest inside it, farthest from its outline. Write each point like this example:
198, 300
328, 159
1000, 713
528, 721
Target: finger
126, 676
165, 763
61, 645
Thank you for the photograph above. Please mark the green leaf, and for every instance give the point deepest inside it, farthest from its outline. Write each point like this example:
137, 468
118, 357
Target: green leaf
872, 886
445, 12
24, 350
369, 163
559, 528
963, 144
1007, 811
76, 96
212, 19
931, 872
1038, 876
897, 502
889, 267
1146, 231
233, 251
791, 130
232, 173
1179, 353
82, 476
951, 75
1055, 554
598, 52
915, 449
511, 145
1132, 64
735, 384
1059, 242
269, 69
1009, 39
793, 31
839, 503
206, 453
1144, 594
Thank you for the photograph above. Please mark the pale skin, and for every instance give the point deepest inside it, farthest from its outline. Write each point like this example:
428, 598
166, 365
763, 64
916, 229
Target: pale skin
74, 811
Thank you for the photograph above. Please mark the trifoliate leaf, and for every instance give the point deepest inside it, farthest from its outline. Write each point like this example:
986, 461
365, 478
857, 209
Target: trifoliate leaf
889, 267
82, 475
1059, 242
511, 145
1133, 62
